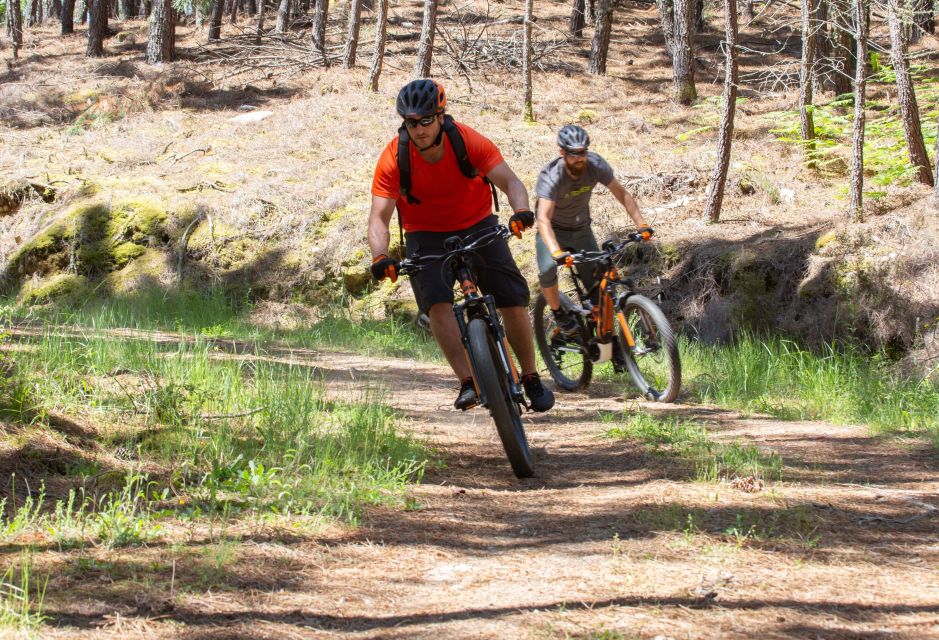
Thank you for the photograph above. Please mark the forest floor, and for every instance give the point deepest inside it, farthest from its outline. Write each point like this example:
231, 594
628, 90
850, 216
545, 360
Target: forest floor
607, 540
610, 540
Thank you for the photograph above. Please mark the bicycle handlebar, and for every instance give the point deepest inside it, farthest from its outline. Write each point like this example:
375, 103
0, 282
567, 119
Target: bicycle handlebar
480, 239
610, 249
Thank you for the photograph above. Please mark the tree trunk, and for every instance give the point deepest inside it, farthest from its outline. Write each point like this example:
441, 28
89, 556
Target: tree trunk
749, 10
68, 17
577, 18
698, 16
860, 96
215, 20
320, 15
352, 34
906, 96
381, 29
283, 16
667, 20
129, 8
97, 27
426, 51
590, 11
31, 12
601, 38
55, 9
252, 8
683, 54
806, 80
843, 48
162, 39
260, 26
528, 110
725, 137
233, 16
16, 27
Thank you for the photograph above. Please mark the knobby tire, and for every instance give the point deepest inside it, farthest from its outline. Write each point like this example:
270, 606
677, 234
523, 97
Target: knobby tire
493, 384
570, 367
657, 372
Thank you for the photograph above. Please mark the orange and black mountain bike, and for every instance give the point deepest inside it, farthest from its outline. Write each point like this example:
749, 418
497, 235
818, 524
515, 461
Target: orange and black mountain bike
498, 383
622, 326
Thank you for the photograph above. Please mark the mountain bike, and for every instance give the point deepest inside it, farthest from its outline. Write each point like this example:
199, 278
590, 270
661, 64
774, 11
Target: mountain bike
498, 384
622, 326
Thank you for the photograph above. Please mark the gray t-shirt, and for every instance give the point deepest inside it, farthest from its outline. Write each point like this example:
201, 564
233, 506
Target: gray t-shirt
572, 197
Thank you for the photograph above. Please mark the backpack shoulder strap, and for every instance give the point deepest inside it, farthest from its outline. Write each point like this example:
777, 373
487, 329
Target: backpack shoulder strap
404, 165
462, 156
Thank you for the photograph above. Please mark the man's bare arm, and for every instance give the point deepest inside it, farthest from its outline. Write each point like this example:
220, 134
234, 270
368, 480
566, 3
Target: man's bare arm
628, 202
508, 183
543, 219
379, 218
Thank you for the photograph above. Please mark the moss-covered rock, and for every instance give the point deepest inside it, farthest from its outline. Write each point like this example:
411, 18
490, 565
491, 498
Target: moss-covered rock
356, 279
402, 309
55, 287
151, 269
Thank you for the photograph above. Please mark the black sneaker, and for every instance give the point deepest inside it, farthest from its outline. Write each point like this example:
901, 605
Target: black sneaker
566, 322
467, 399
539, 396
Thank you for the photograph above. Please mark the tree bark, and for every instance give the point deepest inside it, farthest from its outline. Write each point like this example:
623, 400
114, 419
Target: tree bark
67, 17
55, 9
352, 34
426, 51
843, 48
320, 14
601, 38
97, 27
381, 29
32, 12
283, 16
925, 17
528, 110
725, 137
577, 18
683, 54
860, 96
215, 20
698, 16
233, 16
16, 26
906, 96
162, 39
667, 20
807, 79
259, 30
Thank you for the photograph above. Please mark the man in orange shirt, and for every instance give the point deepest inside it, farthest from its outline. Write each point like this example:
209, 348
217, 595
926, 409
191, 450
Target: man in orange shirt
441, 202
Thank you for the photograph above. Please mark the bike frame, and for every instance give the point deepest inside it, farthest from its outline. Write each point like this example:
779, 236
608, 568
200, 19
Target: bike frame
475, 305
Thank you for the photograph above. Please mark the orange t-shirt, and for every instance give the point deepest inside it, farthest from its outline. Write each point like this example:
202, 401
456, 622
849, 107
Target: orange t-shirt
449, 200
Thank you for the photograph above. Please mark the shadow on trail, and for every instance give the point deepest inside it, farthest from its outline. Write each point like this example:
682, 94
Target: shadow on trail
312, 620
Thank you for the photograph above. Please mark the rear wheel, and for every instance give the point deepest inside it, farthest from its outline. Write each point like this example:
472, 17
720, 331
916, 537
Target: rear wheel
491, 377
652, 361
565, 357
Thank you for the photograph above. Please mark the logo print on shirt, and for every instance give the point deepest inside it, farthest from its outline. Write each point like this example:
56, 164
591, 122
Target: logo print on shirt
576, 192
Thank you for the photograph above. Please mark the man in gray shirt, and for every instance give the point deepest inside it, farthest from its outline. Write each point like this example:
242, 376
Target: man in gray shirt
563, 213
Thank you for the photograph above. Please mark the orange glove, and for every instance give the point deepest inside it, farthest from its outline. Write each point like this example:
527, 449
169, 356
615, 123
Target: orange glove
385, 267
563, 258
520, 221
647, 233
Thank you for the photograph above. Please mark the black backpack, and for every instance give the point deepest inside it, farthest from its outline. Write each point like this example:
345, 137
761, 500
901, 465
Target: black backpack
462, 159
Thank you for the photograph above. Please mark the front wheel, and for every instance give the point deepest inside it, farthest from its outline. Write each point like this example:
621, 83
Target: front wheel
492, 381
564, 355
652, 359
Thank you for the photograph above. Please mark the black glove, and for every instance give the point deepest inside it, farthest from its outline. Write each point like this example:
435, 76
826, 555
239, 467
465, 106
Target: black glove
520, 221
385, 267
647, 233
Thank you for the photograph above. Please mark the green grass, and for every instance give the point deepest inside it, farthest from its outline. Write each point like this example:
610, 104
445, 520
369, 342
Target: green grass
689, 441
241, 435
841, 385
21, 598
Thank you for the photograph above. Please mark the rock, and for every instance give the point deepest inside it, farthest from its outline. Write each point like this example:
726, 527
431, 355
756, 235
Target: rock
252, 117
356, 279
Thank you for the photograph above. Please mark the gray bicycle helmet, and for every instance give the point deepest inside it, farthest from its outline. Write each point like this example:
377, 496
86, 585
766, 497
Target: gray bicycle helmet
572, 137
421, 98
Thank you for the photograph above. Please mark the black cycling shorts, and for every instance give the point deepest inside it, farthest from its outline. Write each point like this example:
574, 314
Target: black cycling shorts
495, 269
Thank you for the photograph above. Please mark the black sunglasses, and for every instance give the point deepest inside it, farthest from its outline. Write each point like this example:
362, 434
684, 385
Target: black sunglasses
578, 154
426, 121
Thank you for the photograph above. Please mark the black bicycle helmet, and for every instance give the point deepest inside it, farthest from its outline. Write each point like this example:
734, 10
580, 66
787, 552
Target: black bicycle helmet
421, 98
572, 137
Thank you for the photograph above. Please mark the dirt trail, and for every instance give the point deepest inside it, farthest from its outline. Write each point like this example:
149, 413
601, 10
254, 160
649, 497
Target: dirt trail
607, 541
